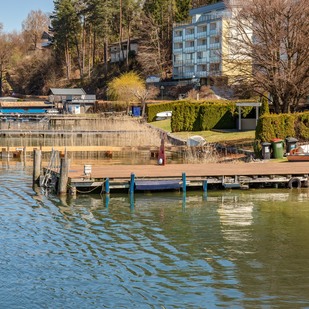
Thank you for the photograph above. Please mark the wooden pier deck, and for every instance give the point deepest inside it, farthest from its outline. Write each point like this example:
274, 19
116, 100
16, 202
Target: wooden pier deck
233, 175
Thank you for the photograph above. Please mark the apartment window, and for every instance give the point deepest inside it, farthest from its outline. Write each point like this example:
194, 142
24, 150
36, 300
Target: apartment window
213, 26
202, 67
201, 55
190, 44
214, 53
214, 67
214, 40
203, 42
190, 31
178, 33
189, 69
189, 56
178, 45
177, 58
202, 28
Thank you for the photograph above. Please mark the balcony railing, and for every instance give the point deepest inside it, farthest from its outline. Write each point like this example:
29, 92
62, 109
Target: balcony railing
189, 37
188, 74
189, 61
189, 49
202, 74
214, 45
201, 47
202, 60
214, 59
201, 34
177, 49
177, 38
178, 63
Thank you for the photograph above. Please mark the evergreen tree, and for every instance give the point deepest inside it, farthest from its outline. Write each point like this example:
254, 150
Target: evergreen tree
66, 26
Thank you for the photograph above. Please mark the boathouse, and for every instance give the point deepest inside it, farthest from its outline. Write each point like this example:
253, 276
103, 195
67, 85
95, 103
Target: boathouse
24, 107
71, 100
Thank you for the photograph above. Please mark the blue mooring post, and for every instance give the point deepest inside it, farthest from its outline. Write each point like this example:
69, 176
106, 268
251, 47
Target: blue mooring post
184, 182
205, 185
131, 190
132, 181
205, 189
107, 191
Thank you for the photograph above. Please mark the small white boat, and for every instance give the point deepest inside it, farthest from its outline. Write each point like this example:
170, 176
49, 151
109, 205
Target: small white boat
163, 115
195, 141
300, 153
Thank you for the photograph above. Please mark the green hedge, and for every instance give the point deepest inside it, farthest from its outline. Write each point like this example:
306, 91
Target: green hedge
206, 115
281, 126
199, 116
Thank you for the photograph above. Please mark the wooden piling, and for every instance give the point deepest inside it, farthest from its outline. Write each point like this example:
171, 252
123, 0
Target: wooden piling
24, 154
64, 175
37, 162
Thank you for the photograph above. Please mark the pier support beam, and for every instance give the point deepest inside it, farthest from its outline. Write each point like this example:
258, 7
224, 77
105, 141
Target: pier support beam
64, 176
37, 162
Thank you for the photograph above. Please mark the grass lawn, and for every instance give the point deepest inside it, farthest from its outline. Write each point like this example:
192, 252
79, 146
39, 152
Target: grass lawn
226, 137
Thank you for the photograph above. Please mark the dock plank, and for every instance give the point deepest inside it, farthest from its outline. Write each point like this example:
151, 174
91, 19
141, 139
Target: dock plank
194, 170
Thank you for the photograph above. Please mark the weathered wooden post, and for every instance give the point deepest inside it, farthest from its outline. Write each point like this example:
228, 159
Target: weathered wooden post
162, 156
64, 175
37, 162
24, 154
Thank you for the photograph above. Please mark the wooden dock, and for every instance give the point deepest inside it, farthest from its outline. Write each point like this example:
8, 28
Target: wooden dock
222, 175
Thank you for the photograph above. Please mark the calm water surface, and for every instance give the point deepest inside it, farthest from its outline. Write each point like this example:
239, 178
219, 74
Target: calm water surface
238, 249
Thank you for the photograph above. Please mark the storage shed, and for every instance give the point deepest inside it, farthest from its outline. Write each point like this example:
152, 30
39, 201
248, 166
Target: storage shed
71, 100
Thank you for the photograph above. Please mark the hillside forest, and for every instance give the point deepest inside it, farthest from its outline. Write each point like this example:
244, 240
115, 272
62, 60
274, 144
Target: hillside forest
81, 34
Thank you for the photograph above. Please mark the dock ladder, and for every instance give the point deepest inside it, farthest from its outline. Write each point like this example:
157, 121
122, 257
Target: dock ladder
53, 165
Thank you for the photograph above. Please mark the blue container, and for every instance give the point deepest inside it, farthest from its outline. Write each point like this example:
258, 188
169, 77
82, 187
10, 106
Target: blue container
136, 111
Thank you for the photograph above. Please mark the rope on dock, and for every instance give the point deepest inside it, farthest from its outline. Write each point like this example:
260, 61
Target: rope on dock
95, 188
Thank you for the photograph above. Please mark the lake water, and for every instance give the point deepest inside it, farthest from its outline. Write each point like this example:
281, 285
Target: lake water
231, 249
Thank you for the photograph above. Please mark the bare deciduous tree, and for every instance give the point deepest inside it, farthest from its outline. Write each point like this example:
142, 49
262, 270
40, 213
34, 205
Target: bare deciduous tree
5, 55
34, 25
154, 54
271, 38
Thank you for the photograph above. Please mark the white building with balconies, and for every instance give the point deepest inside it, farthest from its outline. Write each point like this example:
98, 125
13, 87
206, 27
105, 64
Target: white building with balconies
197, 46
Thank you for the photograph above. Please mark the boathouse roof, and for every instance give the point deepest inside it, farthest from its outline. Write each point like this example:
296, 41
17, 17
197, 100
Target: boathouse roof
23, 104
67, 91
